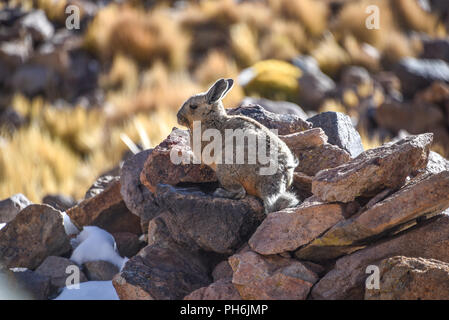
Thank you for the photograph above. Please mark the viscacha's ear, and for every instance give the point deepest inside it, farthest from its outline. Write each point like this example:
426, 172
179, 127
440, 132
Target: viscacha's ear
219, 90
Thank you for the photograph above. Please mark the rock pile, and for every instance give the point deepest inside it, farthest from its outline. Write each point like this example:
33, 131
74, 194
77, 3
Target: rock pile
382, 207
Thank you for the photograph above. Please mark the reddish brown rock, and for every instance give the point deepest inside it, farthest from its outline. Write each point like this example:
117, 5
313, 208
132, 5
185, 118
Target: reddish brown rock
426, 195
128, 244
305, 139
313, 152
428, 240
221, 290
415, 118
159, 167
35, 233
289, 229
374, 170
284, 123
259, 277
100, 270
163, 270
222, 271
11, 206
313, 160
302, 184
107, 210
403, 278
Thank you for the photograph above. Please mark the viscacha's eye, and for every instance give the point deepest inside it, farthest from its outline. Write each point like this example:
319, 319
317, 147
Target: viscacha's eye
193, 106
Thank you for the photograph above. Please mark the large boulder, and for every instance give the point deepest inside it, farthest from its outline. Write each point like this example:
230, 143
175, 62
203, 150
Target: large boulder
259, 277
160, 167
35, 233
428, 240
104, 207
289, 229
138, 198
283, 123
9, 208
339, 130
426, 195
387, 166
420, 279
162, 270
200, 221
100, 270
128, 244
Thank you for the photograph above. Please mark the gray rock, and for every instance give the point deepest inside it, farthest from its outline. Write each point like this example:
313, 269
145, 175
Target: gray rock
34, 285
339, 130
55, 268
100, 270
59, 201
279, 107
10, 207
416, 74
35, 233
138, 198
201, 221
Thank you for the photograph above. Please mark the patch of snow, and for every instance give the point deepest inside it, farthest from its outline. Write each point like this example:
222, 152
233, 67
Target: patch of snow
69, 227
246, 76
90, 290
94, 244
2, 225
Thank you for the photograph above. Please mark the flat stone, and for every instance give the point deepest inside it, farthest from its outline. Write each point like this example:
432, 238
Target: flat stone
428, 240
100, 270
259, 277
289, 229
34, 234
339, 130
420, 279
425, 196
374, 170
159, 167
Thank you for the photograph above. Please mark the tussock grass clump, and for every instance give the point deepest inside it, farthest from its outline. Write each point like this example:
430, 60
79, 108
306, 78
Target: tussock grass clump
144, 36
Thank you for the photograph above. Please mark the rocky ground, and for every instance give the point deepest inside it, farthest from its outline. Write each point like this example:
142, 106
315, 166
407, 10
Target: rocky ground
382, 207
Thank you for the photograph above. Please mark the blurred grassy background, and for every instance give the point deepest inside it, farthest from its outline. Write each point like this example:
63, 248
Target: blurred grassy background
155, 54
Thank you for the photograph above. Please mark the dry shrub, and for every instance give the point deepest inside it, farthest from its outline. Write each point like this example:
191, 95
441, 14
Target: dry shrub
285, 41
123, 75
362, 54
397, 46
413, 16
244, 44
145, 37
331, 57
159, 89
352, 20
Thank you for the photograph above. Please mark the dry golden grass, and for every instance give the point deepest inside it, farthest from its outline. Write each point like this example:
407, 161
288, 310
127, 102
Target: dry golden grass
45, 156
331, 57
144, 36
412, 16
311, 13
